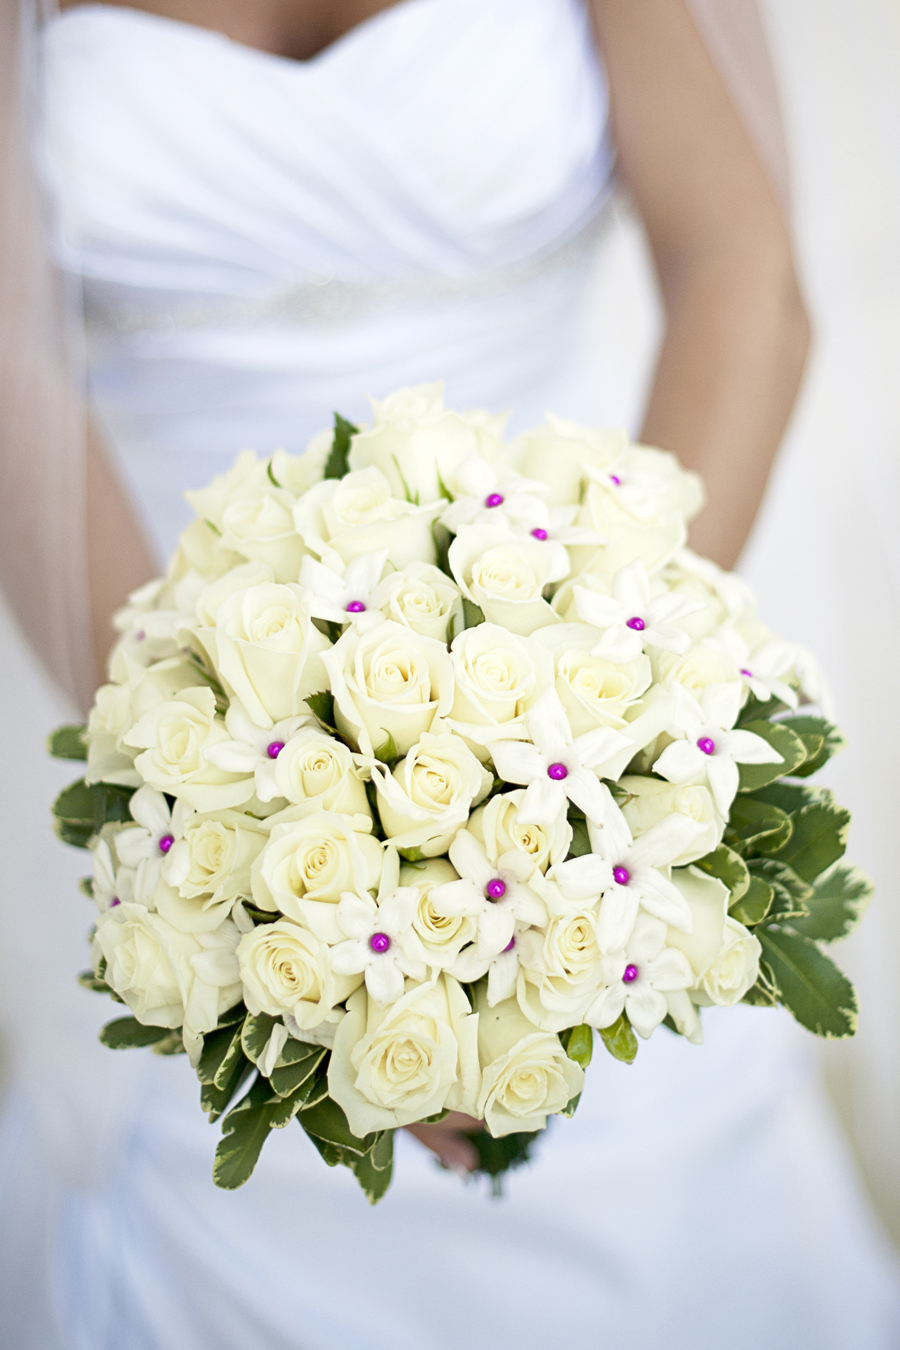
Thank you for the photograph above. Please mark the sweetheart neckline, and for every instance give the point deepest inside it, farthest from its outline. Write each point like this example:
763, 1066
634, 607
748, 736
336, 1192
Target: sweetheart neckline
215, 35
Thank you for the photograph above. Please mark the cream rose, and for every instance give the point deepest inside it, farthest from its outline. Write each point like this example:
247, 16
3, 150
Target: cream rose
240, 578
415, 442
246, 480
213, 858
723, 954
498, 828
267, 651
264, 529
652, 800
442, 936
109, 760
424, 800
169, 978
559, 971
706, 663
308, 864
200, 551
505, 576
422, 598
286, 969
497, 678
595, 692
174, 737
526, 1074
341, 518
395, 1065
389, 682
316, 772
557, 453
299, 473
653, 535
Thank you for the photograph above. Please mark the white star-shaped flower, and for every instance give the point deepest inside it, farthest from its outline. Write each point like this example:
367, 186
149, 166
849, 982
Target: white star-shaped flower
638, 881
347, 597
502, 970
382, 944
632, 619
709, 751
638, 978
486, 497
145, 846
556, 766
111, 885
496, 895
254, 749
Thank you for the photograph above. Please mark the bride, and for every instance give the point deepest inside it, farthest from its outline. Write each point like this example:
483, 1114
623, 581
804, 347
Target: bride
271, 209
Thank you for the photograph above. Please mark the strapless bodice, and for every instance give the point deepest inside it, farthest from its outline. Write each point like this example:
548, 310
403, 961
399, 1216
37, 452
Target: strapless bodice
262, 240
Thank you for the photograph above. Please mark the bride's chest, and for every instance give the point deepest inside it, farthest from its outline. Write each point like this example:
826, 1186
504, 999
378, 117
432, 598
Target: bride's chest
442, 133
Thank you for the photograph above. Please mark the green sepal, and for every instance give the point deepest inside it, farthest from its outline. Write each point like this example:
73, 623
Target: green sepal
578, 1043
838, 901
288, 1078
729, 867
789, 892
473, 614
388, 752
756, 827
337, 465
82, 811
327, 1121
272, 479
255, 1034
322, 707
765, 993
818, 840
127, 1033
822, 740
68, 742
754, 904
411, 855
244, 1131
786, 742
819, 995
620, 1040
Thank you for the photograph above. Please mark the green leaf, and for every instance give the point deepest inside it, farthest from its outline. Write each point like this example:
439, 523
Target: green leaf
620, 1039
322, 706
578, 1043
821, 998
581, 842
221, 1052
88, 980
729, 867
839, 899
472, 613
822, 740
765, 993
327, 1121
374, 1170
287, 1079
570, 1107
237, 1013
787, 743
791, 797
82, 811
442, 540
245, 1129
496, 1156
789, 892
755, 826
336, 465
127, 1033
215, 1100
68, 742
255, 1034
754, 904
388, 752
756, 711
819, 839
173, 1044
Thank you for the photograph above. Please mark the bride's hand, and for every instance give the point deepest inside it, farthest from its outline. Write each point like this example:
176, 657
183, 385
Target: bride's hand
449, 1143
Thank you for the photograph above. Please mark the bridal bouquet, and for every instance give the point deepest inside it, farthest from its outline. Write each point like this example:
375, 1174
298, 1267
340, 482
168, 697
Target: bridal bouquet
433, 755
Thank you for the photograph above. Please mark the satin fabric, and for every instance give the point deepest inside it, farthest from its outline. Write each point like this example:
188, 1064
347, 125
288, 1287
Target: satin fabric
440, 169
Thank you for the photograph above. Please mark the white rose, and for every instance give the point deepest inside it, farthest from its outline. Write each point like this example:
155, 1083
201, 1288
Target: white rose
267, 651
526, 1074
652, 800
429, 794
388, 682
723, 954
396, 1065
264, 529
653, 535
415, 442
497, 678
246, 480
694, 585
213, 858
308, 864
505, 576
174, 737
559, 971
200, 551
498, 828
169, 978
316, 772
109, 760
342, 518
211, 599
677, 488
422, 598
299, 473
706, 663
557, 452
287, 969
594, 691
443, 936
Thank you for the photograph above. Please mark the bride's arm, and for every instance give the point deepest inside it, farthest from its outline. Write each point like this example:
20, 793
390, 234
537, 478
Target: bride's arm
736, 332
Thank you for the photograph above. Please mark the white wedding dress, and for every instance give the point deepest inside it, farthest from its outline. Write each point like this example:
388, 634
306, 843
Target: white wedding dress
262, 242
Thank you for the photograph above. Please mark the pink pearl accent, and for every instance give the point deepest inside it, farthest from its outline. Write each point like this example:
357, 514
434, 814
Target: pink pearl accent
495, 889
274, 749
614, 479
539, 534
512, 942
637, 624
114, 901
140, 635
356, 607
379, 942
630, 975
557, 772
707, 745
748, 673
621, 876
166, 843
495, 499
